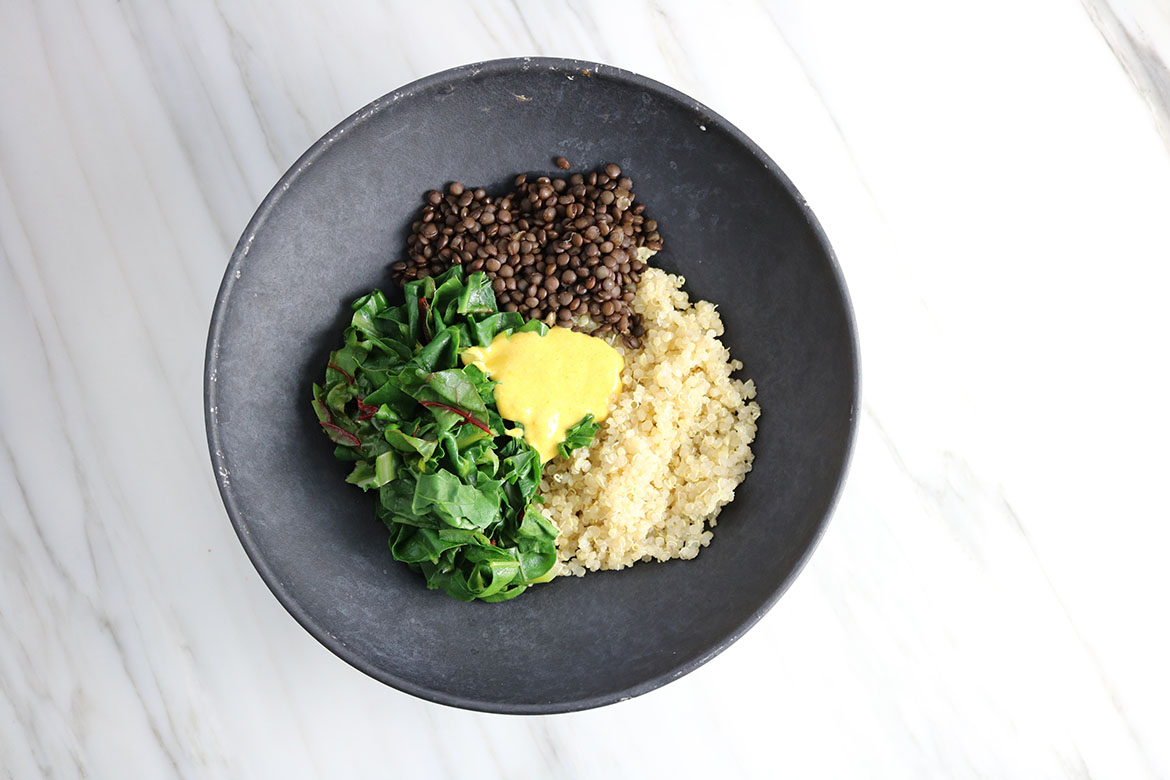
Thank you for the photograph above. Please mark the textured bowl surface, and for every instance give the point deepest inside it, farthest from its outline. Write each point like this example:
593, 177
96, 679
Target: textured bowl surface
733, 225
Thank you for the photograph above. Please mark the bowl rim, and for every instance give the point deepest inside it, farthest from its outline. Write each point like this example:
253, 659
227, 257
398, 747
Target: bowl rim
215, 333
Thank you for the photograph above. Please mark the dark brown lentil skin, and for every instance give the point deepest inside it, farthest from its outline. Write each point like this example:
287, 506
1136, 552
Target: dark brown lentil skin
554, 248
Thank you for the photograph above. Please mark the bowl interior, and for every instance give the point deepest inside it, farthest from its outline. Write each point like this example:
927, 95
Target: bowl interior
732, 224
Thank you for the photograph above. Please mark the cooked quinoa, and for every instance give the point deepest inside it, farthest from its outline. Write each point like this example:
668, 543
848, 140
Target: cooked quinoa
674, 448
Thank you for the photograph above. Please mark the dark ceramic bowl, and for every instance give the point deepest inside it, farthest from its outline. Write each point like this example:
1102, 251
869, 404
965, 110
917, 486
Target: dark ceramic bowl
733, 224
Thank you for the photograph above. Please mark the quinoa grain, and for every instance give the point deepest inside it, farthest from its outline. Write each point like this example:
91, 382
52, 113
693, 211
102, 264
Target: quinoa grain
675, 446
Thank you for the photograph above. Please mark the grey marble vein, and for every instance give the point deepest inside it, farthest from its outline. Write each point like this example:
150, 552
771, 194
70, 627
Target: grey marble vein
1128, 28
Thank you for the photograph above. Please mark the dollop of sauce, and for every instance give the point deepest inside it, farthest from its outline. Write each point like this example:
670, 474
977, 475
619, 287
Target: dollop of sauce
549, 383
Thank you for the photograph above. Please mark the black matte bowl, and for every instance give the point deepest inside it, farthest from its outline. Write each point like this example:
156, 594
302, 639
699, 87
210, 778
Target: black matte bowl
733, 225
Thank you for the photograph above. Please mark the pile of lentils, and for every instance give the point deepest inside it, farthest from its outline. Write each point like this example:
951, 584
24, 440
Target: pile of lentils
555, 249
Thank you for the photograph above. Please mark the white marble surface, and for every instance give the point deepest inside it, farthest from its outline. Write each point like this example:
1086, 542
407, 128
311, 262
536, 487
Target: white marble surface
990, 599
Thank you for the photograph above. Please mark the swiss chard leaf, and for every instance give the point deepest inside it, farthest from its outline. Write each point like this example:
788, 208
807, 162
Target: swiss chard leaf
366, 476
484, 331
457, 504
580, 435
411, 544
456, 493
477, 297
406, 443
390, 394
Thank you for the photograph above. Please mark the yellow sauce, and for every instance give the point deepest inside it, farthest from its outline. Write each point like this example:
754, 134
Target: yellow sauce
549, 383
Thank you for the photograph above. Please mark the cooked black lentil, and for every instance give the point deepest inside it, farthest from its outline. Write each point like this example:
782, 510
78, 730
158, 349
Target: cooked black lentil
555, 248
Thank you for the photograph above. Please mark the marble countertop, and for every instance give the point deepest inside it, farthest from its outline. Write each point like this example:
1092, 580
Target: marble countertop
990, 599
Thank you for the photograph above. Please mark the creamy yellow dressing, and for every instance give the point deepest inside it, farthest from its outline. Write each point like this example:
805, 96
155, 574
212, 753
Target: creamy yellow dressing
549, 383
